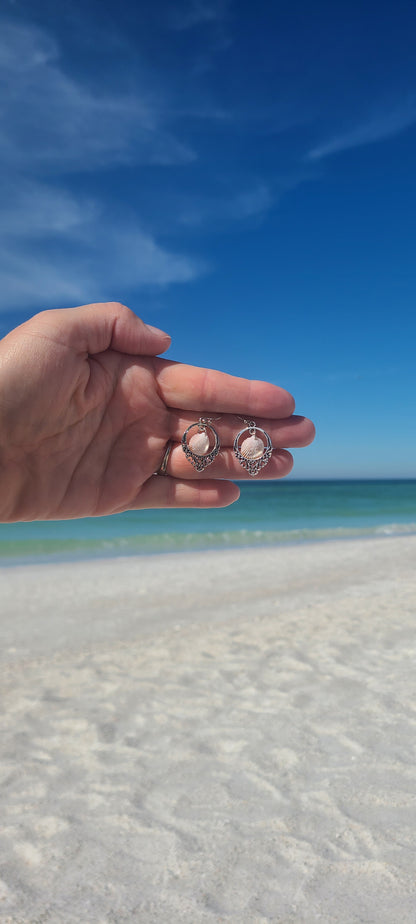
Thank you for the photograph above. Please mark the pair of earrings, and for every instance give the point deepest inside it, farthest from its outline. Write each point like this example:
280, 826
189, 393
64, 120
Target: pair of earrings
252, 451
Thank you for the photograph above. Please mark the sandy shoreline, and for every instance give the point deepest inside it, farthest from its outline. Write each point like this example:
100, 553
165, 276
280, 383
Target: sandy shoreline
225, 736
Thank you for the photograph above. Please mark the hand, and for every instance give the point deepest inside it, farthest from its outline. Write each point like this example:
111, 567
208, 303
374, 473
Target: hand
87, 407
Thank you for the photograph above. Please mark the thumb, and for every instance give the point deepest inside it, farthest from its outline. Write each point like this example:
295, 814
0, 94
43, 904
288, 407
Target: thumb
106, 325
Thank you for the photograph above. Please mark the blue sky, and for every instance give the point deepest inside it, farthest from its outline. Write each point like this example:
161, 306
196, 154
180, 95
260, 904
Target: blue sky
241, 175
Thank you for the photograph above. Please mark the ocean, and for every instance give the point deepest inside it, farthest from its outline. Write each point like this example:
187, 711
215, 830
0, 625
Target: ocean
268, 513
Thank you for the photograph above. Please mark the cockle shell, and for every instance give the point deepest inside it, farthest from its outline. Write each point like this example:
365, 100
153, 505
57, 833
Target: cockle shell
252, 447
199, 443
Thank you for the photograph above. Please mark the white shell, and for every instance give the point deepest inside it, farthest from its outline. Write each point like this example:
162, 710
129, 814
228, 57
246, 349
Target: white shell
199, 443
252, 447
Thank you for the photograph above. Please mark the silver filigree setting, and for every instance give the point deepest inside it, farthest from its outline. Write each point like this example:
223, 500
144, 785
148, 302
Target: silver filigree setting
200, 461
252, 465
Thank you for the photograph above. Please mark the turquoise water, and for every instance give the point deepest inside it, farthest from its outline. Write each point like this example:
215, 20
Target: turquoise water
268, 513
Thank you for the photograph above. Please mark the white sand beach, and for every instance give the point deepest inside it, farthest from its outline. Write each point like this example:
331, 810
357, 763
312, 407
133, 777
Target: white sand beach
222, 736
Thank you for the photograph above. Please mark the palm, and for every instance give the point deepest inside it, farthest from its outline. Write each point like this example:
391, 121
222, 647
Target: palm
119, 431
102, 427
120, 435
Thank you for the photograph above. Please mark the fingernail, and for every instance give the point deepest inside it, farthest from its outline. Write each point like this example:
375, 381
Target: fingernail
160, 333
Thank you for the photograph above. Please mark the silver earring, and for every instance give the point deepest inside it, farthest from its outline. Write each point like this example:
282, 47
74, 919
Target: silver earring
253, 452
203, 446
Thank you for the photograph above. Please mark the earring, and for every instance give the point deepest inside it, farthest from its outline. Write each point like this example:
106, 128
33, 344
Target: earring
253, 452
203, 446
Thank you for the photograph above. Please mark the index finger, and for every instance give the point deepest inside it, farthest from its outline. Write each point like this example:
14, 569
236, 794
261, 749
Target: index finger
208, 391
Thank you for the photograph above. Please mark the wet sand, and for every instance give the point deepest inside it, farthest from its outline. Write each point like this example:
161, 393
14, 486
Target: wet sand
222, 736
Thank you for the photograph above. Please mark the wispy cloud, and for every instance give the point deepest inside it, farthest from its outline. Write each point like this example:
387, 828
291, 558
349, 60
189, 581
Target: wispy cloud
377, 127
51, 121
28, 278
59, 246
252, 203
192, 13
241, 206
33, 209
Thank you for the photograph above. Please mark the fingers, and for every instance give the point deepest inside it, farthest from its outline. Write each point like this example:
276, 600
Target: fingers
98, 327
291, 432
226, 465
172, 492
295, 431
206, 391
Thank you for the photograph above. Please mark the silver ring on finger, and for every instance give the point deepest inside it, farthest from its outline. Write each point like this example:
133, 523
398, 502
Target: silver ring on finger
164, 463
